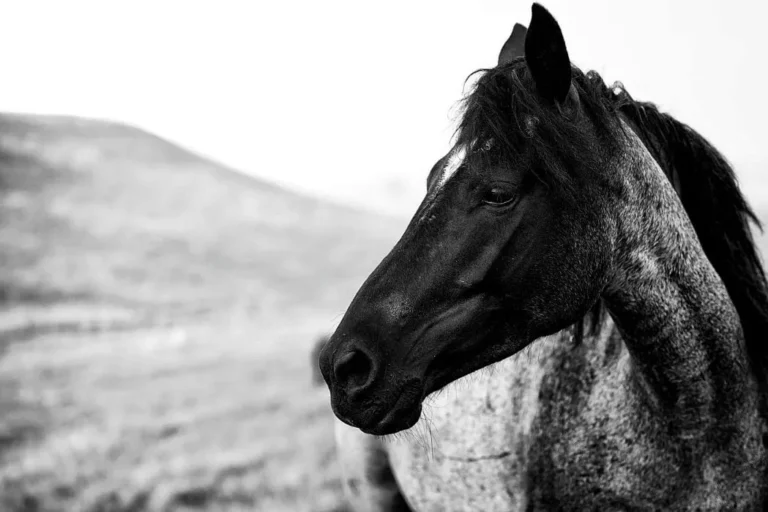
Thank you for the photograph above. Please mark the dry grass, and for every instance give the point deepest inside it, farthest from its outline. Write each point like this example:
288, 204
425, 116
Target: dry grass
156, 319
219, 416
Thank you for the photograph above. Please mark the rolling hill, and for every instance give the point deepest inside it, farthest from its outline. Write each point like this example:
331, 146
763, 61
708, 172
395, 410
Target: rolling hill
156, 315
104, 210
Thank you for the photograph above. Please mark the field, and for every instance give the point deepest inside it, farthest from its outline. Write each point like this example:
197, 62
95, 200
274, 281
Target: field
157, 313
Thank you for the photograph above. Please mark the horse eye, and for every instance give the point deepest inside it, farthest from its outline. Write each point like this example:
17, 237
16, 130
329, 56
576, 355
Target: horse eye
498, 197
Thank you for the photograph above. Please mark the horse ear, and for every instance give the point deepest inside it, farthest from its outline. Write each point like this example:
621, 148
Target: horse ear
546, 56
515, 45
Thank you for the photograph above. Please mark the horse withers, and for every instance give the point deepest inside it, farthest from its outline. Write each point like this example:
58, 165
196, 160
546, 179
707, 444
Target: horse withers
596, 254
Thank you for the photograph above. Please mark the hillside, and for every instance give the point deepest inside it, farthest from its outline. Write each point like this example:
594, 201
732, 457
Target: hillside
107, 212
156, 314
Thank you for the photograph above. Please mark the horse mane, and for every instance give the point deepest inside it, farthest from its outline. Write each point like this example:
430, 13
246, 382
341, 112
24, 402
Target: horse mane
504, 108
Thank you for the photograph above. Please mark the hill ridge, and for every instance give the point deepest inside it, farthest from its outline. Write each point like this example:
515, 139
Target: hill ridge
16, 120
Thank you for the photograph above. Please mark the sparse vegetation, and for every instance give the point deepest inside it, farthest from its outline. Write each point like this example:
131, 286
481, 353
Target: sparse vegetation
157, 313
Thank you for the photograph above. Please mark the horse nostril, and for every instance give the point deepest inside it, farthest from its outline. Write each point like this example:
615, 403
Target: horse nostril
353, 369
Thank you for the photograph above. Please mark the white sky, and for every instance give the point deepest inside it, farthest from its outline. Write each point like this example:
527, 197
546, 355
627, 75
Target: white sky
352, 99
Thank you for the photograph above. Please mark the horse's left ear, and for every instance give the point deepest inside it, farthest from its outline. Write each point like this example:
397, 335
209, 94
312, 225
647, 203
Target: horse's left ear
515, 45
547, 56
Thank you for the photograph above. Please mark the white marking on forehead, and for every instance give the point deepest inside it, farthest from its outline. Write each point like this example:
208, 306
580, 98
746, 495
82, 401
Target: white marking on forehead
454, 162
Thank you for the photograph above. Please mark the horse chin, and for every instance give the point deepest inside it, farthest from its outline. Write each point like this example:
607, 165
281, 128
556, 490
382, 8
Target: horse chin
396, 420
394, 408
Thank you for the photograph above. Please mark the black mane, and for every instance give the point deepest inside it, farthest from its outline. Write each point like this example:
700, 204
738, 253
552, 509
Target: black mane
504, 100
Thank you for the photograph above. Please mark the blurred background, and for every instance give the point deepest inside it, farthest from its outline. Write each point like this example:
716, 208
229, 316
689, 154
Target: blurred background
192, 192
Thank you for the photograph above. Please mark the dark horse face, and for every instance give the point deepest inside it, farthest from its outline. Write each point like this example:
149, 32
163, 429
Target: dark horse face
494, 258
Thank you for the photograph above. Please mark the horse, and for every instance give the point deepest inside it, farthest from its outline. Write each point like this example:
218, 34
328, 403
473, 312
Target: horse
576, 313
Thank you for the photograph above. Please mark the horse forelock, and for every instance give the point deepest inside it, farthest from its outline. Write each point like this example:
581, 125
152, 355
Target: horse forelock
504, 106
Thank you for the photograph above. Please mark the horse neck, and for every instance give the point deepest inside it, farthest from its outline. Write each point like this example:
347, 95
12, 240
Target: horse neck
672, 308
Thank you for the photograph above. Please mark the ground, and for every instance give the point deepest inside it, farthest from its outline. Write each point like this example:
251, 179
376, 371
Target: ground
157, 312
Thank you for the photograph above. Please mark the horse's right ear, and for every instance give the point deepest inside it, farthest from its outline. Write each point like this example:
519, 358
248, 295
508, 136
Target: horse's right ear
515, 45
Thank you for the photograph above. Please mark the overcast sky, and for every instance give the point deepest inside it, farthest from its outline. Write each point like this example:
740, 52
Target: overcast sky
354, 100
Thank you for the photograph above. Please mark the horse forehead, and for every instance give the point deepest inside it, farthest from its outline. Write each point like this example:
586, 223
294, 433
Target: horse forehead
456, 158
